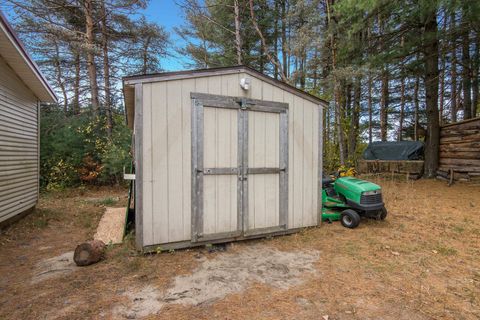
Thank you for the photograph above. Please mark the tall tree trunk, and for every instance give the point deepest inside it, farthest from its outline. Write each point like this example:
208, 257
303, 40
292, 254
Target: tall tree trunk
92, 68
60, 79
384, 105
339, 119
475, 72
442, 89
430, 47
238, 39
442, 68
284, 36
326, 125
302, 71
106, 70
76, 84
276, 16
272, 57
145, 55
347, 116
337, 87
355, 118
315, 69
384, 99
402, 106
370, 113
466, 80
453, 75
416, 108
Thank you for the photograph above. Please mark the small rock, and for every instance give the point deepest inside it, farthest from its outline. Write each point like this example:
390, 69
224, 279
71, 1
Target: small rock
131, 315
435, 251
395, 253
303, 301
325, 317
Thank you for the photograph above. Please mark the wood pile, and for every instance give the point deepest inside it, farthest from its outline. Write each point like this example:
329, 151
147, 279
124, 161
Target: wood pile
412, 168
460, 151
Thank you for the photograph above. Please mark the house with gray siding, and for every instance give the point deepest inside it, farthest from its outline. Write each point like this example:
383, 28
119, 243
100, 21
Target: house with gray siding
22, 89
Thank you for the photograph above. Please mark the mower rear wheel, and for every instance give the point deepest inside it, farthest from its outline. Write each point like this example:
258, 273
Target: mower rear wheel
383, 213
350, 219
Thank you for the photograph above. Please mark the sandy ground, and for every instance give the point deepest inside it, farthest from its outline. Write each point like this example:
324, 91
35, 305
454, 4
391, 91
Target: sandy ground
421, 263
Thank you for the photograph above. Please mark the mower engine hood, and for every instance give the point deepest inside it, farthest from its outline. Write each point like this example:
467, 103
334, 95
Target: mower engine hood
356, 185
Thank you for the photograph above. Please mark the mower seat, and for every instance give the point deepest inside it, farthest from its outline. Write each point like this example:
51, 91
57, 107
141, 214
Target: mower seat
326, 181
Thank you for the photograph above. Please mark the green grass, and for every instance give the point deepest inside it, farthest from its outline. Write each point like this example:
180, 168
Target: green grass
446, 251
42, 217
108, 201
458, 229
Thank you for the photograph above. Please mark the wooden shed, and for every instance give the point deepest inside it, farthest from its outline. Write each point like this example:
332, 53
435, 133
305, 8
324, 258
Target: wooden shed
22, 88
222, 154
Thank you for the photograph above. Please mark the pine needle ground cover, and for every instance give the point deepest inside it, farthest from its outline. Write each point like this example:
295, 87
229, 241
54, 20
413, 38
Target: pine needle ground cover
421, 263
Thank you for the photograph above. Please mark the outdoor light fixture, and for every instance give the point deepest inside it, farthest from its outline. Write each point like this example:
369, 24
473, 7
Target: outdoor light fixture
245, 83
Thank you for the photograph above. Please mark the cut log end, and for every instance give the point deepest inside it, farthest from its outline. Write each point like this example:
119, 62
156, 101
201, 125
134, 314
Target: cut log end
89, 252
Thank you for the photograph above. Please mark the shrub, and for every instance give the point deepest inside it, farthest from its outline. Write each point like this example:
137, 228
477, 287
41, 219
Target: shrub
75, 149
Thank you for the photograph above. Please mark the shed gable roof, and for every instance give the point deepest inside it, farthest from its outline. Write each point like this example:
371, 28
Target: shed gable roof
129, 81
16, 56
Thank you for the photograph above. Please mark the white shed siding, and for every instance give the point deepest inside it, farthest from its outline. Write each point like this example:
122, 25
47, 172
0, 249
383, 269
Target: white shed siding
303, 144
18, 145
167, 155
166, 176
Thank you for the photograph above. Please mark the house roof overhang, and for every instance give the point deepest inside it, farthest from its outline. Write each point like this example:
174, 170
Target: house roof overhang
16, 56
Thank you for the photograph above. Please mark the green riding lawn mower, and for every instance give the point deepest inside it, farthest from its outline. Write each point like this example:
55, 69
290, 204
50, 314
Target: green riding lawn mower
348, 199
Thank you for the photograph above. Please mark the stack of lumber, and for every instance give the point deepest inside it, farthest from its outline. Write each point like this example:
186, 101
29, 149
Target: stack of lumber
412, 168
460, 150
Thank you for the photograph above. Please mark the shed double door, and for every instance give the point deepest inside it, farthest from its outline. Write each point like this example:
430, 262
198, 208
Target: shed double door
239, 167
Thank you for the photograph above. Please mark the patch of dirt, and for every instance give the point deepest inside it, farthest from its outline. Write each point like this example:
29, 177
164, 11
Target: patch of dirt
233, 272
54, 267
143, 302
225, 274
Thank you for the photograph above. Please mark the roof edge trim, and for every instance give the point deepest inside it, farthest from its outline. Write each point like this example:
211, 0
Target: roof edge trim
26, 57
177, 75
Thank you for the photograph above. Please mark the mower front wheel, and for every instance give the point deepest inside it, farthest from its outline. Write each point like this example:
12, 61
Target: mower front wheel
383, 213
350, 219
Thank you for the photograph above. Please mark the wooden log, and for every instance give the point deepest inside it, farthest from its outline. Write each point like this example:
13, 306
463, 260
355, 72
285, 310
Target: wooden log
460, 162
458, 132
460, 154
442, 178
443, 174
89, 252
469, 169
466, 138
456, 148
464, 125
467, 144
461, 175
